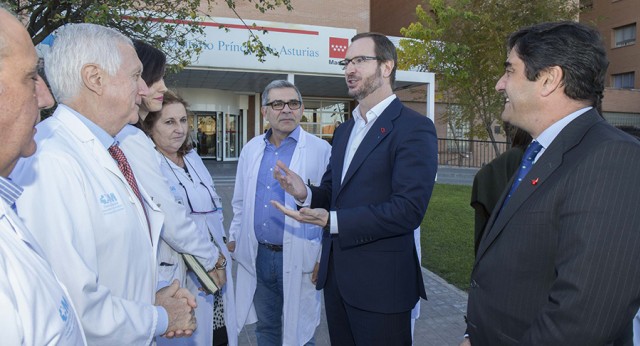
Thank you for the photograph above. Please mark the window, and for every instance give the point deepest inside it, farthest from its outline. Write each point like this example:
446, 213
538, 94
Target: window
457, 130
321, 117
623, 80
625, 35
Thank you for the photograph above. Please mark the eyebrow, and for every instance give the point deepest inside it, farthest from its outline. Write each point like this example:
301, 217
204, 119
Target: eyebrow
507, 64
284, 100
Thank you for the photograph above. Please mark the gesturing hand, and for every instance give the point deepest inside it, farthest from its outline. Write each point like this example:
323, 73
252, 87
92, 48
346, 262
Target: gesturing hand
290, 181
316, 216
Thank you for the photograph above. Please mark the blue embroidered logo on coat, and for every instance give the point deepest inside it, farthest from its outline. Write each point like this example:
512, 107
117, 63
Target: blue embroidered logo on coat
63, 310
109, 203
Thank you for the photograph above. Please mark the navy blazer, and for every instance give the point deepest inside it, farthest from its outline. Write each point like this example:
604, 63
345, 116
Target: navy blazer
381, 201
560, 264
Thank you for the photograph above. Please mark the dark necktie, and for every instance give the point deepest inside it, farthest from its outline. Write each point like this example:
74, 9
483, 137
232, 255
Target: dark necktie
125, 168
525, 166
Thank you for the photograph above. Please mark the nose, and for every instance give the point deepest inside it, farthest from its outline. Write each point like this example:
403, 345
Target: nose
500, 84
286, 108
43, 96
163, 88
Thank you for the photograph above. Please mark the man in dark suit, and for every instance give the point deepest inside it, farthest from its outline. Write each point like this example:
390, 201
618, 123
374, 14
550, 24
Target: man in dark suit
558, 263
377, 187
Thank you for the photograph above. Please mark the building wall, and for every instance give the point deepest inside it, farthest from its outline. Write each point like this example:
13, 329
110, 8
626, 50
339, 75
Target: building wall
607, 15
389, 16
334, 13
622, 100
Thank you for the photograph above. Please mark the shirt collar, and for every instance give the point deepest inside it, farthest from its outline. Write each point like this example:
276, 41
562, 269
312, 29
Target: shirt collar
9, 191
295, 135
548, 135
106, 139
375, 111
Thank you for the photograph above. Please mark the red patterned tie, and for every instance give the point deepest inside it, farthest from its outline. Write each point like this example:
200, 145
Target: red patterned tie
125, 168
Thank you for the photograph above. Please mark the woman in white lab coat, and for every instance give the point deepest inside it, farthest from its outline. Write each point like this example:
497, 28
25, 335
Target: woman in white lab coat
192, 186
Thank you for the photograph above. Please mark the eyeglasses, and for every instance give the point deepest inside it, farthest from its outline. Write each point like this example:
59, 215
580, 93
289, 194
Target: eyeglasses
279, 105
357, 61
213, 200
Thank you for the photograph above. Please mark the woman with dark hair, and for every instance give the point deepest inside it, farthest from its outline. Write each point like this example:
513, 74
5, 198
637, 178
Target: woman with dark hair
180, 234
154, 62
192, 186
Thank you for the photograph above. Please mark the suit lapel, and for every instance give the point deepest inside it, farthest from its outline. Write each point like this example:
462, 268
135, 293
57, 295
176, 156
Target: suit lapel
379, 130
549, 162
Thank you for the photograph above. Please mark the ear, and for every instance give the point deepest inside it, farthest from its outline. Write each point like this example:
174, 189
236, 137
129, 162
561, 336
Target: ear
93, 78
551, 79
387, 67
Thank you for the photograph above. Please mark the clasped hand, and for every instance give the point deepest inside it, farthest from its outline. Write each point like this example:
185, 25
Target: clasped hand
179, 304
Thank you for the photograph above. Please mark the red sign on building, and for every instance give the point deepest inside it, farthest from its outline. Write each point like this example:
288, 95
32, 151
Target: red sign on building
338, 47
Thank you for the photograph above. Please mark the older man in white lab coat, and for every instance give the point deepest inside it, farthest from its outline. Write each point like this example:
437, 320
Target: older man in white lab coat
288, 293
36, 309
97, 226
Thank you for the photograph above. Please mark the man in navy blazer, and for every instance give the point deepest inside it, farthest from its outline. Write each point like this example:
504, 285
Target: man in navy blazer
559, 260
376, 187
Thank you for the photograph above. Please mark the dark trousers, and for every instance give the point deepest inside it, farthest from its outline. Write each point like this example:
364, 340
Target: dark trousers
349, 325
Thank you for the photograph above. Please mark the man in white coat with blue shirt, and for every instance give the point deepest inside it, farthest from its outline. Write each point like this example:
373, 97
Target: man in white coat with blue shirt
97, 226
277, 256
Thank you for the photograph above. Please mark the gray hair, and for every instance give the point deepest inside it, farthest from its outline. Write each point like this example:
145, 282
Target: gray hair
278, 84
76, 45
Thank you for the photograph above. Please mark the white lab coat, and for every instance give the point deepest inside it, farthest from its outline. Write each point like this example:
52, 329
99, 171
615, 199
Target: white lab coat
92, 228
210, 224
179, 231
415, 312
636, 329
301, 243
36, 310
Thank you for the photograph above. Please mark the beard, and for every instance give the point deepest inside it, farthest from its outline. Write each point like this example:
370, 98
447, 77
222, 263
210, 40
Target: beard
369, 85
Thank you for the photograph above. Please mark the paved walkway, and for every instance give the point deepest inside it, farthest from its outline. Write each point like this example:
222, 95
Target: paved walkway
441, 321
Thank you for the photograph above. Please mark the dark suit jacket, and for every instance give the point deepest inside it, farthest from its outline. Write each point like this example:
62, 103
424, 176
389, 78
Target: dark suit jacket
381, 202
560, 264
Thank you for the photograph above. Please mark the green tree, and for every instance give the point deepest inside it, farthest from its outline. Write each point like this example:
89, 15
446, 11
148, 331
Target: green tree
463, 42
169, 24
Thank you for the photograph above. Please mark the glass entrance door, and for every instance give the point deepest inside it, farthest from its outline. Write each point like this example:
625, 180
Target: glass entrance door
232, 132
219, 135
207, 139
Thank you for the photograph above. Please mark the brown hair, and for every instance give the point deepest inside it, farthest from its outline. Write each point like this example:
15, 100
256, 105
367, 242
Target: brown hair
170, 97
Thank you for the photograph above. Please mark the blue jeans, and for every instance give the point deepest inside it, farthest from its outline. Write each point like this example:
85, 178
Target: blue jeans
269, 297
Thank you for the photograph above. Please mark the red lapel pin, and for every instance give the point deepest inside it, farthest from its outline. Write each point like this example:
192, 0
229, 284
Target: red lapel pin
534, 181
383, 130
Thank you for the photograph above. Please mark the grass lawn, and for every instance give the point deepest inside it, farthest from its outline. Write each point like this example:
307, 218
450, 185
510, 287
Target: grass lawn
447, 234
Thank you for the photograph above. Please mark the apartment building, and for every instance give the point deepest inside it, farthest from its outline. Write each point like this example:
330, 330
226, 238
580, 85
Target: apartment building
617, 21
